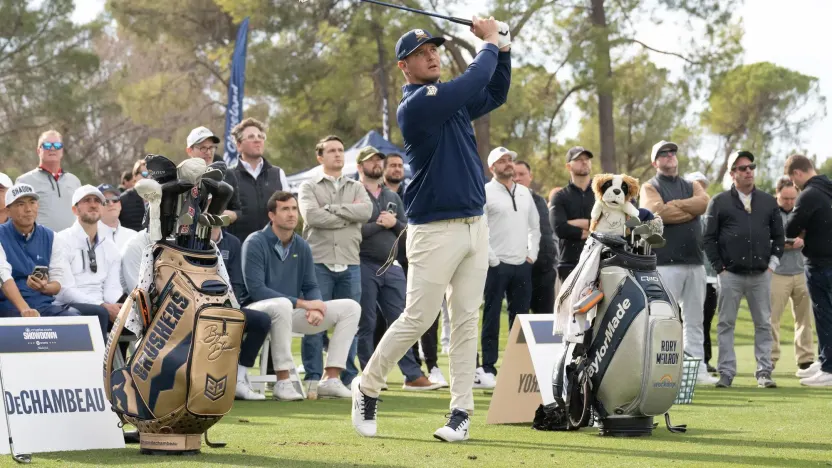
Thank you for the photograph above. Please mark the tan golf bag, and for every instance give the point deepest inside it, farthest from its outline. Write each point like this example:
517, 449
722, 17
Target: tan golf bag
180, 380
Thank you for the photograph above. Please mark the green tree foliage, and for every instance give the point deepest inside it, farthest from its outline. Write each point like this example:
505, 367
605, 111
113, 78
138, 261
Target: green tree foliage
755, 106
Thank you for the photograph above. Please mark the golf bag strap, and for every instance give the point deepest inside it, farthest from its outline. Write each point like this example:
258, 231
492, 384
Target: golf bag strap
680, 429
138, 297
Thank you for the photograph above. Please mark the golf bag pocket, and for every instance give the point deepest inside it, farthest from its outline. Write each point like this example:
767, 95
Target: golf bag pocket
212, 371
663, 366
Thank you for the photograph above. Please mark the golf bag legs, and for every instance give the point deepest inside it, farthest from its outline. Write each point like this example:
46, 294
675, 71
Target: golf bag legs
573, 399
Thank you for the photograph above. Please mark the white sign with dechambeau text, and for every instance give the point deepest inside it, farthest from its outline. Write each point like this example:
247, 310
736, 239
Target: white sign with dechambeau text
53, 387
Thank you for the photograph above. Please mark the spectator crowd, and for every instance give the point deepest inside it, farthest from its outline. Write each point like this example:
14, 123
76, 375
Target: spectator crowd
340, 280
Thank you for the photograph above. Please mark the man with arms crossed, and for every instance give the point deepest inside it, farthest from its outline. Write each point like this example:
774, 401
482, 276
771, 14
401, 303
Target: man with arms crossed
447, 242
812, 219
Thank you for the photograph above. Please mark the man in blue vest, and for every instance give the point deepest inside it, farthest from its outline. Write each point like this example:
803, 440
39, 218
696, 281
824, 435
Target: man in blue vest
39, 268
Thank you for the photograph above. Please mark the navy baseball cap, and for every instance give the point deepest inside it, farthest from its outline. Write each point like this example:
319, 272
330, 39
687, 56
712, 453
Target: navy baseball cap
411, 41
104, 188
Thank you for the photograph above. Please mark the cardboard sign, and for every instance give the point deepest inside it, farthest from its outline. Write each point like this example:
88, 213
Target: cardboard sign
525, 379
53, 387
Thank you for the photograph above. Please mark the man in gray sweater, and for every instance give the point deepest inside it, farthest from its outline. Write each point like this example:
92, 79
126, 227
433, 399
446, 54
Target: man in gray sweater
53, 185
788, 284
383, 292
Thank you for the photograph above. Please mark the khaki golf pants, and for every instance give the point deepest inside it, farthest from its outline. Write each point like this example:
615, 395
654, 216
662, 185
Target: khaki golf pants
444, 256
785, 289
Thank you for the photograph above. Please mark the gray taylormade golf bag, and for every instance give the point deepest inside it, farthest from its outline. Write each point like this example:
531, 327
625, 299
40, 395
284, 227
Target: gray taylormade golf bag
628, 367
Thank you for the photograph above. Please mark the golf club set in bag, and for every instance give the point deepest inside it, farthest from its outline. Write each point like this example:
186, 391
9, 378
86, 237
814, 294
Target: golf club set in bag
180, 380
626, 366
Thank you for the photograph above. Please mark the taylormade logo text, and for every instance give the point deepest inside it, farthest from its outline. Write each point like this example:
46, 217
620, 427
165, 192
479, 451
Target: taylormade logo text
622, 308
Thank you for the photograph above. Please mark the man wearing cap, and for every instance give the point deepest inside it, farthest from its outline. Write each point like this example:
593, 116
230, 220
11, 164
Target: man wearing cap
132, 204
447, 240
514, 241
109, 225
202, 144
5, 185
94, 261
571, 210
36, 256
53, 185
744, 242
334, 208
383, 285
680, 203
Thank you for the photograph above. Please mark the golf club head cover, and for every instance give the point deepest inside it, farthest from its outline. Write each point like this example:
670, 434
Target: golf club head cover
182, 376
151, 192
170, 196
221, 165
220, 198
160, 168
207, 189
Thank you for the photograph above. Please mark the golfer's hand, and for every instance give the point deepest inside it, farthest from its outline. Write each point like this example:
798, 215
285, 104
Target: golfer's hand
486, 29
36, 283
314, 317
504, 42
112, 310
387, 220
29, 313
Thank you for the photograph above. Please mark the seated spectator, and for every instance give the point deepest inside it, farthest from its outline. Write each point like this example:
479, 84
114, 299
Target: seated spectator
257, 323
110, 225
280, 280
5, 184
94, 261
132, 204
9, 288
36, 256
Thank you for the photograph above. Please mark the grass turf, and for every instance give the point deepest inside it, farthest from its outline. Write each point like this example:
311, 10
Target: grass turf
740, 426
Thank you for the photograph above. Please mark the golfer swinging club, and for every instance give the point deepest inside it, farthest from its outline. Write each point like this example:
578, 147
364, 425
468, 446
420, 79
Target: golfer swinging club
447, 240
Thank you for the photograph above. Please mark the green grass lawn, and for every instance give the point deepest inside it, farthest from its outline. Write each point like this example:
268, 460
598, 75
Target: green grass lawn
740, 426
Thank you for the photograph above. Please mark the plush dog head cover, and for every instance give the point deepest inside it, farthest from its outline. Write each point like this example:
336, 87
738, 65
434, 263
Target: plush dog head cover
614, 189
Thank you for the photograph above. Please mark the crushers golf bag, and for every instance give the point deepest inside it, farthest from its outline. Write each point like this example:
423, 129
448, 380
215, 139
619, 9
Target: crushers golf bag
181, 378
626, 366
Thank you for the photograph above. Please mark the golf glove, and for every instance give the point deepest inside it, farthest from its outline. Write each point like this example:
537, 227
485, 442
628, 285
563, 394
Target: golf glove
505, 36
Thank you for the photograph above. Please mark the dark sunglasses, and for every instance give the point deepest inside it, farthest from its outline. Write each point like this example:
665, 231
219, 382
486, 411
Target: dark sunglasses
743, 168
109, 201
52, 146
666, 153
91, 256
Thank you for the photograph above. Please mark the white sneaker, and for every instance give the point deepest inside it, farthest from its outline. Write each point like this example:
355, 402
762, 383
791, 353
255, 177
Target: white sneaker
809, 371
364, 409
436, 377
243, 391
333, 388
483, 379
301, 370
284, 390
704, 377
821, 379
456, 429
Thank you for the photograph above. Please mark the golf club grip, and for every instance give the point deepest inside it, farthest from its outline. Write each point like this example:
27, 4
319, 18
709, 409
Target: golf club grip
454, 19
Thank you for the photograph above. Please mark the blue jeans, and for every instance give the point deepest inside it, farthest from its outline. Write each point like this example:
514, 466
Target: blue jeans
819, 281
342, 285
383, 294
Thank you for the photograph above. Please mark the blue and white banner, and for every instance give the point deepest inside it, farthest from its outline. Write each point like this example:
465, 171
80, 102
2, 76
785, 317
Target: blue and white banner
234, 111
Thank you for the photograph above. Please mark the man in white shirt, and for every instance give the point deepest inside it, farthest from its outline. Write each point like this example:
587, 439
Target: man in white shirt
514, 241
94, 261
109, 225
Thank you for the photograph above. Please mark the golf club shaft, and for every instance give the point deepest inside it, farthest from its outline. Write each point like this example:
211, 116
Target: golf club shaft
454, 19
18, 457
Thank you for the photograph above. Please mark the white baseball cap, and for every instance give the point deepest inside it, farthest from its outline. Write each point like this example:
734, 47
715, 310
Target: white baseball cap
498, 153
6, 181
20, 191
200, 134
660, 146
85, 190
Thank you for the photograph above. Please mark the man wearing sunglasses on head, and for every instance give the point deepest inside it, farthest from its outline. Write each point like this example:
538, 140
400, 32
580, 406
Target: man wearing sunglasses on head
94, 261
132, 204
744, 240
53, 185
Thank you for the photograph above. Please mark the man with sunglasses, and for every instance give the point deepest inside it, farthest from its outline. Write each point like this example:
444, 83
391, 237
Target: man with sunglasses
680, 203
744, 240
53, 185
202, 143
132, 204
94, 261
109, 224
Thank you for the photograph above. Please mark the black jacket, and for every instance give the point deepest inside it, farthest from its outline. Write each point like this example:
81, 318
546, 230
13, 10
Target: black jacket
132, 210
743, 242
547, 255
253, 195
813, 213
570, 203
